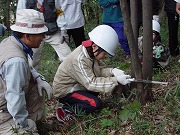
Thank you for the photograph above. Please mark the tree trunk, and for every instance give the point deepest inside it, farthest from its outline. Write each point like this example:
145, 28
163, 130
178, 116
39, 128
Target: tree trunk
7, 17
134, 15
131, 41
146, 94
134, 22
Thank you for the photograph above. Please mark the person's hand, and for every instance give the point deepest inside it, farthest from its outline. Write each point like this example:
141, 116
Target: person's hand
123, 79
31, 126
117, 72
43, 85
64, 36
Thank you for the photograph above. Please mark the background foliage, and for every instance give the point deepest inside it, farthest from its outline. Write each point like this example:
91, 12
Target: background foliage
122, 115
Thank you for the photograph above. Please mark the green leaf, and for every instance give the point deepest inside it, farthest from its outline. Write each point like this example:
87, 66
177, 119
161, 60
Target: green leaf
135, 105
124, 115
106, 123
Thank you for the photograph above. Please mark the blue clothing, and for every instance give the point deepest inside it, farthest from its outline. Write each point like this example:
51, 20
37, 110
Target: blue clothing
111, 11
87, 101
112, 16
15, 72
2, 30
27, 49
119, 28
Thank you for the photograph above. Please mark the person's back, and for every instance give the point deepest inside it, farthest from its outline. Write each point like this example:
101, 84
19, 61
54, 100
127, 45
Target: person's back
75, 19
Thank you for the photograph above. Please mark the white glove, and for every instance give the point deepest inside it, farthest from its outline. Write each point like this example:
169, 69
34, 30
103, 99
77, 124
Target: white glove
31, 126
43, 85
64, 36
123, 79
117, 72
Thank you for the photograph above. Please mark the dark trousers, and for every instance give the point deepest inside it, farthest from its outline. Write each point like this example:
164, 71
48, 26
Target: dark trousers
85, 101
173, 20
119, 28
77, 35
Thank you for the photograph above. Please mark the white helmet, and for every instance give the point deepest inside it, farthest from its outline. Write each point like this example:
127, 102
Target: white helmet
155, 26
105, 37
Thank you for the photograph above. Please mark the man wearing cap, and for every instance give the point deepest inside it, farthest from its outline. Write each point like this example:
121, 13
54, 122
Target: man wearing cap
21, 86
82, 75
56, 23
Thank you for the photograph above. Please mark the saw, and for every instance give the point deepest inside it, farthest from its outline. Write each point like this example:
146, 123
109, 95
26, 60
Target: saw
147, 81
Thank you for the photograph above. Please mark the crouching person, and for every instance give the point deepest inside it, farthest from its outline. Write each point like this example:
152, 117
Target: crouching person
82, 75
21, 100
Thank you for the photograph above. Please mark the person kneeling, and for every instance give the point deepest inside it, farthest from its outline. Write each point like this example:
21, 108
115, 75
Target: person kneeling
82, 75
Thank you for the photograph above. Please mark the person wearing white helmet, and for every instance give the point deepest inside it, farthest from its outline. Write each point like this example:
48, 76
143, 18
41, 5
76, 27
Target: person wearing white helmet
82, 76
160, 51
21, 86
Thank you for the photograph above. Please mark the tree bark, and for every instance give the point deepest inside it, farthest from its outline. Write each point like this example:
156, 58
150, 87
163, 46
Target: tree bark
146, 95
131, 41
7, 16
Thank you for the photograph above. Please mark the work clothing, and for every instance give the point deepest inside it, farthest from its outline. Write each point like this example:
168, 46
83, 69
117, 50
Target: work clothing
78, 77
75, 19
55, 40
86, 100
80, 72
161, 53
19, 97
112, 16
173, 23
2, 30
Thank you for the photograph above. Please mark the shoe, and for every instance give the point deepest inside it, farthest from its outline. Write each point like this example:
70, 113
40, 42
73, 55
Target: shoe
64, 115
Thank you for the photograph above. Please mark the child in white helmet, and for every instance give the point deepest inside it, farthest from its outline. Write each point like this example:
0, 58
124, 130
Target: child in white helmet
160, 51
82, 75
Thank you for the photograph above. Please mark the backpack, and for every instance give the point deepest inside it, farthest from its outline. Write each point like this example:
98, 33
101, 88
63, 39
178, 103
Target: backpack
49, 13
50, 16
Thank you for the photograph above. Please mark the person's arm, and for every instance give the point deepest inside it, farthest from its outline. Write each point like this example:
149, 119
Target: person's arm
15, 73
107, 3
104, 70
21, 4
86, 77
178, 8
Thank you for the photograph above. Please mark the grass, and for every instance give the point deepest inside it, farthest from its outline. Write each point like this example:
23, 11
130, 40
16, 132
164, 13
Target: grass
121, 116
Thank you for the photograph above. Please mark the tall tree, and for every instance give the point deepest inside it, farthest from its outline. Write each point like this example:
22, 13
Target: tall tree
131, 30
146, 94
136, 66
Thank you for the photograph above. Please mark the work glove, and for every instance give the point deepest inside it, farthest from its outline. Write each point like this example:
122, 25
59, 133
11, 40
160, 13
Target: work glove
123, 79
117, 72
43, 85
31, 126
64, 36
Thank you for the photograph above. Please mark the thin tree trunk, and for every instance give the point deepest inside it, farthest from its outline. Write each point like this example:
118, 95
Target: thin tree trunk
7, 17
146, 95
131, 40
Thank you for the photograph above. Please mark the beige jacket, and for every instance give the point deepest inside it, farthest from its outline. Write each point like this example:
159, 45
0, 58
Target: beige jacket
10, 48
79, 72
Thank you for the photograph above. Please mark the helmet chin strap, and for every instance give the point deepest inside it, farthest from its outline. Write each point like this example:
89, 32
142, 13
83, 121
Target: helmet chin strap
99, 50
